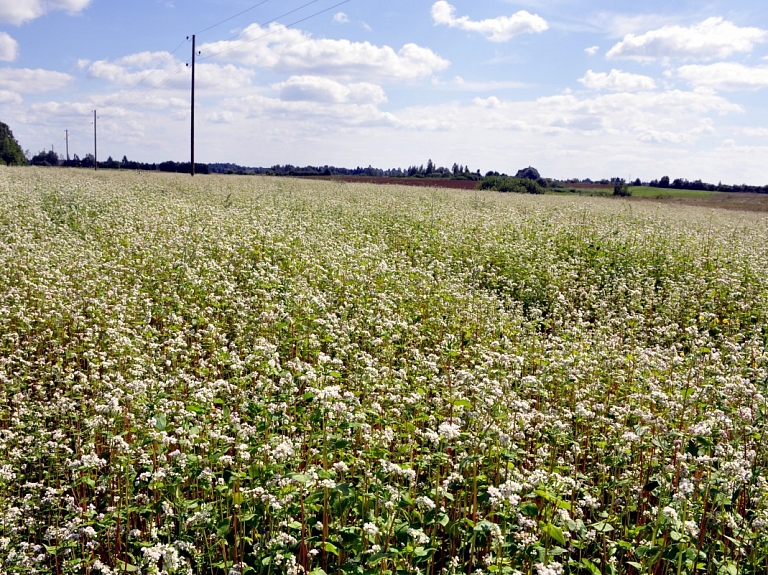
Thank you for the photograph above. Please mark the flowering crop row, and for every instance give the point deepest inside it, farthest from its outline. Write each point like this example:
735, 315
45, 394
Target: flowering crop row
247, 375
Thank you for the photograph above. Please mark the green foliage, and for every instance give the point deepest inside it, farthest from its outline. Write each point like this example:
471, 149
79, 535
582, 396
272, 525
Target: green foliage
621, 189
528, 173
10, 151
507, 184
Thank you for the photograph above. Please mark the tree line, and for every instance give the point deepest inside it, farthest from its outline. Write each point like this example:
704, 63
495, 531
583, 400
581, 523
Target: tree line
683, 184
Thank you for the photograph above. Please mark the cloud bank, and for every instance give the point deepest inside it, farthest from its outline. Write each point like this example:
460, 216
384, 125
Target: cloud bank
499, 29
20, 11
9, 48
714, 38
295, 52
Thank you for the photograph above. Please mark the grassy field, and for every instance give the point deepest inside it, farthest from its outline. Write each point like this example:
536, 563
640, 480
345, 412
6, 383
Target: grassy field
637, 192
240, 375
646, 192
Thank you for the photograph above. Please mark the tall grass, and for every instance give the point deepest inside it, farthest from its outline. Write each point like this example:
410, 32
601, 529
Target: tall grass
245, 375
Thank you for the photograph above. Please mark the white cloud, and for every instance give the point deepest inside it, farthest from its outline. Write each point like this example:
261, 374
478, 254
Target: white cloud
311, 115
617, 81
156, 69
29, 81
325, 90
340, 18
712, 38
498, 29
223, 117
460, 84
725, 76
759, 132
592, 50
9, 48
492, 102
7, 97
295, 52
676, 116
20, 11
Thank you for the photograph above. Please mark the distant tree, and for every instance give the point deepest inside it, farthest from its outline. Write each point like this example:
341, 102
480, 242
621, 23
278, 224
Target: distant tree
10, 151
637, 182
528, 173
664, 182
620, 188
506, 184
45, 158
430, 167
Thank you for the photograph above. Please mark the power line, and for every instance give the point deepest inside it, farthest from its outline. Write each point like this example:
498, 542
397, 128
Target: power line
231, 18
155, 89
162, 63
284, 27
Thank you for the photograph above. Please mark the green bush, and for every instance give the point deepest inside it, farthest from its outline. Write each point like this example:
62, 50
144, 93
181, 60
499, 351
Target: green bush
507, 184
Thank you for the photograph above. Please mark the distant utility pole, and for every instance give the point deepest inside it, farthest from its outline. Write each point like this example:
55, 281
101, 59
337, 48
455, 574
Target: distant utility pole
192, 166
95, 149
66, 138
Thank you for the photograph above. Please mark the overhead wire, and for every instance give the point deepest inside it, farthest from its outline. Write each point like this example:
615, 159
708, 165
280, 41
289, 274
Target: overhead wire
284, 27
231, 17
173, 73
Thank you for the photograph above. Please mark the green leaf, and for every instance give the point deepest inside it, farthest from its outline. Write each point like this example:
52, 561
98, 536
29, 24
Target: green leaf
122, 566
591, 567
160, 422
461, 402
602, 527
299, 478
223, 527
554, 532
318, 571
331, 548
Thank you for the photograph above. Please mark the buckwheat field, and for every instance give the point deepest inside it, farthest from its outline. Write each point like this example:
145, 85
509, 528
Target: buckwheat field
226, 375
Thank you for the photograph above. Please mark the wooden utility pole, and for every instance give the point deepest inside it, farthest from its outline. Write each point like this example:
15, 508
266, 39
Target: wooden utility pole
95, 149
66, 137
192, 165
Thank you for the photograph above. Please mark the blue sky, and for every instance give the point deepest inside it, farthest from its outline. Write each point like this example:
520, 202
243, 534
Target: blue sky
589, 88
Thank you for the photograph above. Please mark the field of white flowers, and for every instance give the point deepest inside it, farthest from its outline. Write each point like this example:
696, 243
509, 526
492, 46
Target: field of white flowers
272, 376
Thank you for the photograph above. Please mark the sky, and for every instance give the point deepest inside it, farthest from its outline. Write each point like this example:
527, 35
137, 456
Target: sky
577, 89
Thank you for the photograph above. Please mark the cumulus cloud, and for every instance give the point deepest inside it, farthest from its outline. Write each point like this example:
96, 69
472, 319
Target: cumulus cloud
9, 48
223, 117
673, 117
7, 97
312, 113
617, 81
492, 102
319, 89
713, 38
726, 76
156, 69
295, 52
28, 81
498, 29
592, 50
340, 18
20, 11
